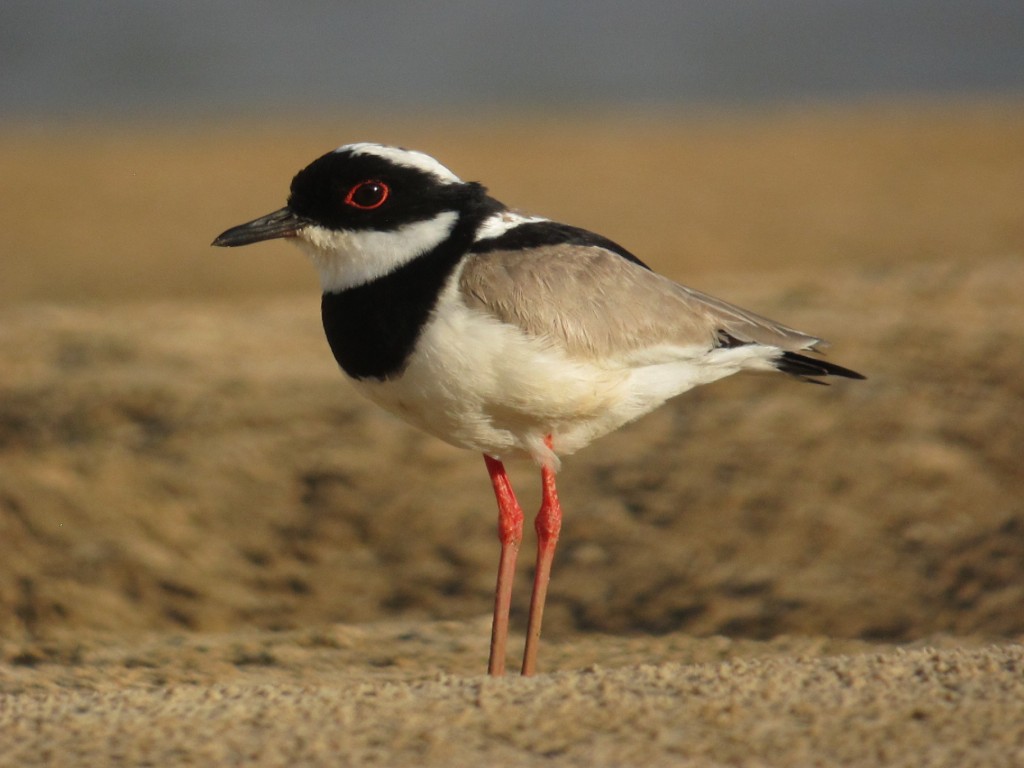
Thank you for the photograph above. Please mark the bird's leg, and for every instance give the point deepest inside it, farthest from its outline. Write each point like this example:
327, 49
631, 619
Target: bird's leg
510, 534
548, 524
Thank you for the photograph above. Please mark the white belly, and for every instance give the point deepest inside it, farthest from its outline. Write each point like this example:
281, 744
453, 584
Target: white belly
482, 384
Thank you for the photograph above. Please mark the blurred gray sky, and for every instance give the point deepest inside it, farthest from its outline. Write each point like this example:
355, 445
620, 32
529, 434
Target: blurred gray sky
76, 58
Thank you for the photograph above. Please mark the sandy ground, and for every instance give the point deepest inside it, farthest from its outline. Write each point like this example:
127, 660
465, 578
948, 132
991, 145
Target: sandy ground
213, 552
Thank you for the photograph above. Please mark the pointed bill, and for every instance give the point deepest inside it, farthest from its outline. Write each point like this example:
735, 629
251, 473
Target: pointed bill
281, 223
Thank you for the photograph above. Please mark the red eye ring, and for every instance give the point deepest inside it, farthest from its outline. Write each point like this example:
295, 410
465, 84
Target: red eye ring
368, 195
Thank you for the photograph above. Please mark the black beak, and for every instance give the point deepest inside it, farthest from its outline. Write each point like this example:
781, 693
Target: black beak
282, 223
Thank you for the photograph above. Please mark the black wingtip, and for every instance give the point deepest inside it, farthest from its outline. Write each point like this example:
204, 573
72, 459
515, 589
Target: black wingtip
809, 368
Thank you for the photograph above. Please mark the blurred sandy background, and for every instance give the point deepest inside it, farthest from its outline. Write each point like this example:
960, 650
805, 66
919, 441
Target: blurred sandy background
213, 552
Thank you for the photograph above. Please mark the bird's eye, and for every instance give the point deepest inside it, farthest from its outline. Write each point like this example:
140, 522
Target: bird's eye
367, 195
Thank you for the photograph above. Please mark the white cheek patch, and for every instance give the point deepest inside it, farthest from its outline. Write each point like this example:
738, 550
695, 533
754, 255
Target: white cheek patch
347, 258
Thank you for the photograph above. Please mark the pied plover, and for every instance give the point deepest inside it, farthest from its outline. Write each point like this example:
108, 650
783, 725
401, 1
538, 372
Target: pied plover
501, 332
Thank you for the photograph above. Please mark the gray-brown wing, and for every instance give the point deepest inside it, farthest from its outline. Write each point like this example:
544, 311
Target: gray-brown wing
598, 304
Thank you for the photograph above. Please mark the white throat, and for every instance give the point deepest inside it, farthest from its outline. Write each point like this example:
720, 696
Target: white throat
347, 258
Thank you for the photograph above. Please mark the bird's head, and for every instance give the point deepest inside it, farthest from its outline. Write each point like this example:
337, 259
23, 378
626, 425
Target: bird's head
364, 210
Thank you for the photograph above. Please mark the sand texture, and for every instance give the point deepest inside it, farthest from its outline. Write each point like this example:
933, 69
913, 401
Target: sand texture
214, 552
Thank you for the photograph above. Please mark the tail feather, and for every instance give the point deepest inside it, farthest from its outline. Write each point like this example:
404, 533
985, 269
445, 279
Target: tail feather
808, 368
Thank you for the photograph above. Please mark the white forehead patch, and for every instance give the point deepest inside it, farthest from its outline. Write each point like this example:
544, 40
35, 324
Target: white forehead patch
407, 157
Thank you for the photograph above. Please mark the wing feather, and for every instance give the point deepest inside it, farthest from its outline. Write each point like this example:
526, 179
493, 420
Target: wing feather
597, 304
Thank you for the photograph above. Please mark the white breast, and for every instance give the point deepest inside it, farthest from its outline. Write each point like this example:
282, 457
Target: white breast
483, 384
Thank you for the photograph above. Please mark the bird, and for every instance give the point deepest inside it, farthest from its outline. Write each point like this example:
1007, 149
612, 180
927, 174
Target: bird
502, 332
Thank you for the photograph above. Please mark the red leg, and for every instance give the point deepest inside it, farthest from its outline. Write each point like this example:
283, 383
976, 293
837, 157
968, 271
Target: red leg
510, 534
548, 524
